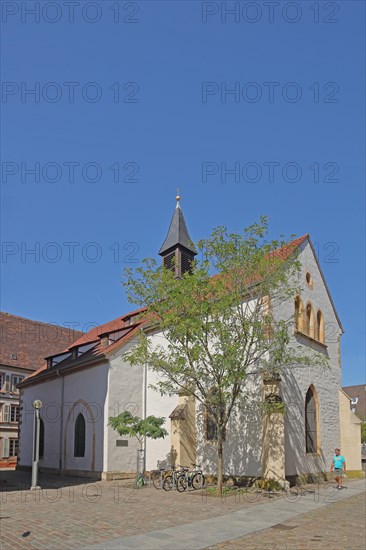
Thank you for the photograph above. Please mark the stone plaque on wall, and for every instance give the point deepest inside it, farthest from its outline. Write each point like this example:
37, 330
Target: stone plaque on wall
121, 443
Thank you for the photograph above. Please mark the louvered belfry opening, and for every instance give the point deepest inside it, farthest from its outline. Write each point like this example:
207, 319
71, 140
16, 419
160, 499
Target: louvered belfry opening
168, 261
186, 262
178, 250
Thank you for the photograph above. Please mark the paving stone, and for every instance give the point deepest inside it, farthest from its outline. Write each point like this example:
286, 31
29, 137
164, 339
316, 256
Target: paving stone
73, 513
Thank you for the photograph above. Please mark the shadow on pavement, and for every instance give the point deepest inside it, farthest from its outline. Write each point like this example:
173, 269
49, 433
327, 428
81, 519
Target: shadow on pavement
14, 480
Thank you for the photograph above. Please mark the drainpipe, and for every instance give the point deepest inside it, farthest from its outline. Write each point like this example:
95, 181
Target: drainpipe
61, 420
145, 410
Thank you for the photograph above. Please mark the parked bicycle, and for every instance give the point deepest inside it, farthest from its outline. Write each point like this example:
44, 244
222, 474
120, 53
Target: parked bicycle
170, 480
183, 478
190, 478
158, 476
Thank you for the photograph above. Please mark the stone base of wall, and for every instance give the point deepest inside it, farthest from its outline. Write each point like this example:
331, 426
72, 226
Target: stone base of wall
231, 481
56, 471
11, 464
321, 477
111, 476
310, 477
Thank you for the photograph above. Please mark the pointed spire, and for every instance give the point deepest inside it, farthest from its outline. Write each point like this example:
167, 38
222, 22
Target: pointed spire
178, 235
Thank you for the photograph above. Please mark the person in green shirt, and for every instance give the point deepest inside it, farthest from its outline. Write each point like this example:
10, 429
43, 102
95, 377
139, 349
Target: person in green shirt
339, 467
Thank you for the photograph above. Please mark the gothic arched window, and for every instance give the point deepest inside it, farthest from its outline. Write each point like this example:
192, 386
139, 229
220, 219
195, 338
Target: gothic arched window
311, 421
320, 326
41, 438
310, 321
299, 314
79, 436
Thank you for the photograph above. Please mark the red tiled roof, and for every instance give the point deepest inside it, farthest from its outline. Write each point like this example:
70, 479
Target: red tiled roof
117, 324
282, 254
25, 343
285, 251
125, 322
97, 352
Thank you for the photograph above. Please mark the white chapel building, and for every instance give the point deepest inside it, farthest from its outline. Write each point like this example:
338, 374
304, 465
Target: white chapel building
90, 381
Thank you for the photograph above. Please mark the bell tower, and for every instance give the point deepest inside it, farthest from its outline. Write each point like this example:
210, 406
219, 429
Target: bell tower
178, 250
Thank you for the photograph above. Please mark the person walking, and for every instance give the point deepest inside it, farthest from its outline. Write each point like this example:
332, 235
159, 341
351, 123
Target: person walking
339, 467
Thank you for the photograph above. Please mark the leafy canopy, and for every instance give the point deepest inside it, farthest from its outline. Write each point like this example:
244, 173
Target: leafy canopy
133, 426
218, 324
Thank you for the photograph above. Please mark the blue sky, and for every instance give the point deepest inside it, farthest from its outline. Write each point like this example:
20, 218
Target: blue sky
142, 96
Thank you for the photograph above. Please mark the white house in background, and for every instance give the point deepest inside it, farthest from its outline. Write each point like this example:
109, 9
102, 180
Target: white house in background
90, 381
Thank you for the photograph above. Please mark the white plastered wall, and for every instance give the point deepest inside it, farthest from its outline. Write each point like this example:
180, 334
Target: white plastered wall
84, 392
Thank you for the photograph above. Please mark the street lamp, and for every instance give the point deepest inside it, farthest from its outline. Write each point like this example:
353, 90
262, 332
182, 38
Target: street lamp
37, 405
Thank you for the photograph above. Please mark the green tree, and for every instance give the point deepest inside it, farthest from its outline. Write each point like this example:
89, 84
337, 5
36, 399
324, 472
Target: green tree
219, 321
134, 426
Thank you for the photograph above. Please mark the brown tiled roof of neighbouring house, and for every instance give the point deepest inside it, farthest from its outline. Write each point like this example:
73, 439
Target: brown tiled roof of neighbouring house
25, 343
358, 395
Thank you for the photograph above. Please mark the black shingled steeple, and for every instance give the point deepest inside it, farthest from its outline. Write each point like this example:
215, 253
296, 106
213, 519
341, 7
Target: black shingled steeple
178, 250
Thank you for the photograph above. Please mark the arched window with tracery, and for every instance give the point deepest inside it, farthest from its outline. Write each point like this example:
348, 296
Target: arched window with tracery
310, 321
79, 436
299, 314
311, 421
320, 326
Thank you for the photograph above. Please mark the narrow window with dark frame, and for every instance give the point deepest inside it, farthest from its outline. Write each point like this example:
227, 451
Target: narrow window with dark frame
79, 438
311, 422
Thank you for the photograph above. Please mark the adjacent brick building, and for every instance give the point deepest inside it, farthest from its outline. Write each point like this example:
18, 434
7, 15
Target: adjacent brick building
358, 399
24, 345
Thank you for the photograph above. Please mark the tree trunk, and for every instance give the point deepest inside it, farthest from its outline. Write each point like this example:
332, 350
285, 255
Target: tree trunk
219, 465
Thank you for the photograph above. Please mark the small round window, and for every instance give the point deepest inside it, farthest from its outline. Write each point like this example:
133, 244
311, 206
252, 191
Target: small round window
309, 279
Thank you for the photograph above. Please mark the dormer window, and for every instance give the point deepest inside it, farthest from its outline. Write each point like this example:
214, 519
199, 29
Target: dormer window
86, 347
58, 358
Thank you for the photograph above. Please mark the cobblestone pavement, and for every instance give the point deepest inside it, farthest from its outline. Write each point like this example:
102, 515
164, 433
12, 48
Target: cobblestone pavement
340, 525
70, 513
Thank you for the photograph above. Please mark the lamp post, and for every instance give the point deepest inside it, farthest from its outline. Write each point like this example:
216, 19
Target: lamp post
37, 405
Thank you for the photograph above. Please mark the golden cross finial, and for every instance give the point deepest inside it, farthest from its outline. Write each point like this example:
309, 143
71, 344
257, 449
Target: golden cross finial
178, 196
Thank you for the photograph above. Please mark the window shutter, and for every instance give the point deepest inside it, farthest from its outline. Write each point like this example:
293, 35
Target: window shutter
5, 448
7, 383
6, 413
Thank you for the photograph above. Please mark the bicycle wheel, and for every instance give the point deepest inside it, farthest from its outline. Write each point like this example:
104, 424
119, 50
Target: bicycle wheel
168, 483
181, 482
198, 481
156, 479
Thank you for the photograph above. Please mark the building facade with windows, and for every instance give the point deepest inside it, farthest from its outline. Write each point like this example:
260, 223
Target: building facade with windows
24, 343
357, 395
91, 380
